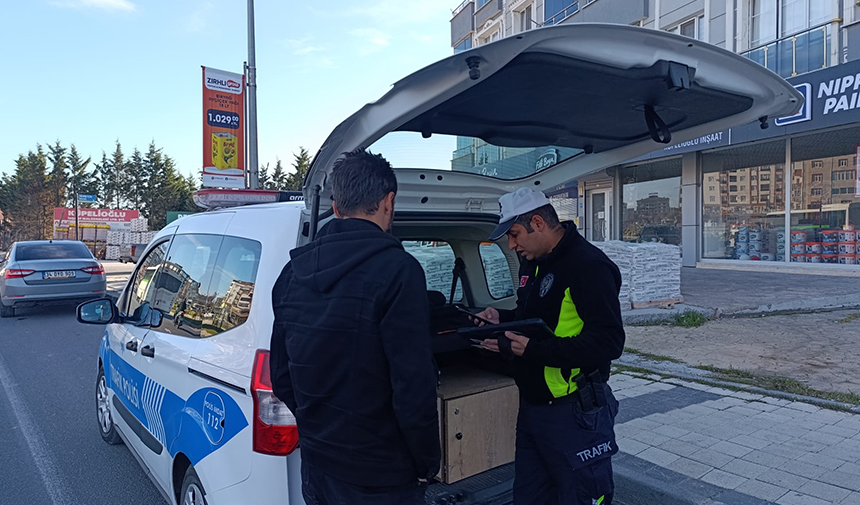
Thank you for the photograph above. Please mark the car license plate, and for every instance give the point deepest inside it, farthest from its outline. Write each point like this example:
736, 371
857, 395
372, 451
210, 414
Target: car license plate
60, 274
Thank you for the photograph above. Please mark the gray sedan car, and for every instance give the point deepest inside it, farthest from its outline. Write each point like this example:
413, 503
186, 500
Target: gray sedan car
47, 272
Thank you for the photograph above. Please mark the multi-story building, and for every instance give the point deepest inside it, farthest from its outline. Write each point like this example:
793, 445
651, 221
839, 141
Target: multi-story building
743, 176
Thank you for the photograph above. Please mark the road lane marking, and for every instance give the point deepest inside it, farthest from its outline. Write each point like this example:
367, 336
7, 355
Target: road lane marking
48, 469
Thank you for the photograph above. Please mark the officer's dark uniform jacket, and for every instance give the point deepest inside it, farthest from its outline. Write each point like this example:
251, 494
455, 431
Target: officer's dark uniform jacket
574, 289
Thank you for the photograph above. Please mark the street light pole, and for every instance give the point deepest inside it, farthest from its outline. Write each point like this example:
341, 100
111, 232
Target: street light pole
253, 176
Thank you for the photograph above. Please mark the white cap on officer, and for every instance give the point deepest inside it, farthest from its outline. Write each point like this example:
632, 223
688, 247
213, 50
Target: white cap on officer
521, 201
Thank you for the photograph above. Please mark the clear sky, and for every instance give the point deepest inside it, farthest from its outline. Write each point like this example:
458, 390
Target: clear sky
90, 72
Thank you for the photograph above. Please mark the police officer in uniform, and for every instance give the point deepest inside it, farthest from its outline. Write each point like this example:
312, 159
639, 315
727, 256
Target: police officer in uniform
565, 428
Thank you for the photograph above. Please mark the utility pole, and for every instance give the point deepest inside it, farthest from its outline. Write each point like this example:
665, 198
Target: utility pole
254, 166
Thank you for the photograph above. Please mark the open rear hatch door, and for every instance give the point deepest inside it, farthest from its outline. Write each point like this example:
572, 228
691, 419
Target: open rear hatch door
546, 107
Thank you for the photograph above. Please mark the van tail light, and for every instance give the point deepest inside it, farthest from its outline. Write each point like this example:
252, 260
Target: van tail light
19, 273
275, 430
96, 270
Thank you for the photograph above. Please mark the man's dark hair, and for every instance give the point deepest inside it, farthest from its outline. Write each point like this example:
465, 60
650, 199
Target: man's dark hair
360, 180
547, 213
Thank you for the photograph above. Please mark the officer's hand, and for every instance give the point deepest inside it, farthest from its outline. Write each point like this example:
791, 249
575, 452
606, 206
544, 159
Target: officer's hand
490, 314
518, 343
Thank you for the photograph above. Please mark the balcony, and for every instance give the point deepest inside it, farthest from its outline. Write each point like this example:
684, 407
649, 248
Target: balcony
795, 54
463, 21
487, 9
556, 18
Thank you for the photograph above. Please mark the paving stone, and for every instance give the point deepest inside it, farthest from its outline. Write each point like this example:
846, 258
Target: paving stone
773, 416
721, 391
803, 407
823, 438
831, 416
786, 451
690, 468
671, 431
770, 436
766, 459
852, 422
632, 447
840, 452
809, 424
657, 456
750, 441
851, 468
794, 498
822, 460
851, 499
790, 430
824, 491
832, 429
775, 401
745, 468
806, 444
702, 441
762, 406
723, 479
734, 450
743, 395
650, 438
743, 411
712, 458
626, 430
762, 490
678, 447
642, 424
722, 432
841, 479
782, 479
804, 469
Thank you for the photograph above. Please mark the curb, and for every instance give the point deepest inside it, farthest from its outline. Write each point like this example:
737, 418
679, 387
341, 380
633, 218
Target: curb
682, 371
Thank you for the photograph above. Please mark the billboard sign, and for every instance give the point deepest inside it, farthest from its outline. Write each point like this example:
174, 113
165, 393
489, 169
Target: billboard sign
118, 219
223, 129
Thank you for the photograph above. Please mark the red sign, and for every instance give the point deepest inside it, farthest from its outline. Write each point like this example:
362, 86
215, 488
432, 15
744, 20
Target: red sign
96, 215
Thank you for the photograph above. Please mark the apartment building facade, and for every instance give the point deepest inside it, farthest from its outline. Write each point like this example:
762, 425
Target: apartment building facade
800, 174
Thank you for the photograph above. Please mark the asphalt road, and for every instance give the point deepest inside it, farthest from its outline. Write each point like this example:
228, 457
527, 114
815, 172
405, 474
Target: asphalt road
50, 448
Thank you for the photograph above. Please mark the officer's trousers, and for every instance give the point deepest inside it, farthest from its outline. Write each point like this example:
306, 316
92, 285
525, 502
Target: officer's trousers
563, 454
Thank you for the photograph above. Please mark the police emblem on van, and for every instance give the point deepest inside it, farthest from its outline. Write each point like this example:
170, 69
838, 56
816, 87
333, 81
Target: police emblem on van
545, 284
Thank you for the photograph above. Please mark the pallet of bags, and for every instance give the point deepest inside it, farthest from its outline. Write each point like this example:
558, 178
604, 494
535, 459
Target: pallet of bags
112, 252
621, 253
656, 275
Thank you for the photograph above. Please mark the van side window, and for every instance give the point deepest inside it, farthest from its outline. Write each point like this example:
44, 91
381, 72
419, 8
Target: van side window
183, 285
497, 270
140, 294
437, 260
232, 286
207, 284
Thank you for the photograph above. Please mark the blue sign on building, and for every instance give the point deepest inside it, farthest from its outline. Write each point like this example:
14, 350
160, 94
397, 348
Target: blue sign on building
86, 198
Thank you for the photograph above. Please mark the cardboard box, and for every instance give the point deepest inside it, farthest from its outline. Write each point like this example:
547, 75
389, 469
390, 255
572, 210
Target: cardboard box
477, 421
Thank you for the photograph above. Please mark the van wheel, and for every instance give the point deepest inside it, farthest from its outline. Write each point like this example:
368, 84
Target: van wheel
6, 311
192, 490
106, 426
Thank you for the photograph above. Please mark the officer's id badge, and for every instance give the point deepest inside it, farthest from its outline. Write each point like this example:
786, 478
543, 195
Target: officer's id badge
545, 284
524, 280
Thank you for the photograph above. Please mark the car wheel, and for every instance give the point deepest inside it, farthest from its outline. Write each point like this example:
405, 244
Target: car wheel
103, 414
6, 311
192, 489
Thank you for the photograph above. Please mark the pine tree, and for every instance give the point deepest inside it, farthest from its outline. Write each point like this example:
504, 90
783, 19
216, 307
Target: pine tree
301, 164
58, 177
279, 177
80, 181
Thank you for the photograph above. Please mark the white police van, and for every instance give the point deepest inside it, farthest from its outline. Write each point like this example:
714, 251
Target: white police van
182, 369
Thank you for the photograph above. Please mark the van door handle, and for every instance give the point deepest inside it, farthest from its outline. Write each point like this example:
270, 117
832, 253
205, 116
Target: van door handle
131, 345
148, 351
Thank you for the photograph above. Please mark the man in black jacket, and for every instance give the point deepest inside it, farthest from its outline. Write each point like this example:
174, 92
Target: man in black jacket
565, 428
350, 350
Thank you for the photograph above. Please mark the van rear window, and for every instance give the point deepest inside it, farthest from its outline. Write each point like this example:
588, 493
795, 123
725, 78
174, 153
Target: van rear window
56, 251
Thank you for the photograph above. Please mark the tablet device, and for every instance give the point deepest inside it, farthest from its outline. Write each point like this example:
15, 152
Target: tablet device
470, 314
531, 328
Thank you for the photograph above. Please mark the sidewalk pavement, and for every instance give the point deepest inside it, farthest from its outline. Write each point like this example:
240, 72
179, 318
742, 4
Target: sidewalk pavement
686, 443
722, 292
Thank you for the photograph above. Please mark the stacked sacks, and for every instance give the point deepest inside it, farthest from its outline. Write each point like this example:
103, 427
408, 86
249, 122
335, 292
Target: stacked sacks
656, 273
621, 254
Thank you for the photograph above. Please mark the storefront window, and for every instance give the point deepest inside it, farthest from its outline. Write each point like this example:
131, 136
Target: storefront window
651, 206
825, 208
744, 221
